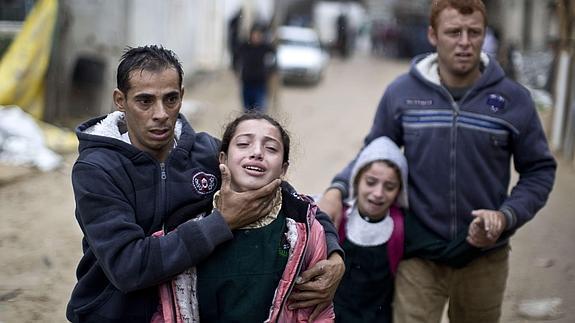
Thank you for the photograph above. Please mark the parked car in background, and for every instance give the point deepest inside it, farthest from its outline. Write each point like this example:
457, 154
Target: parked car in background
300, 56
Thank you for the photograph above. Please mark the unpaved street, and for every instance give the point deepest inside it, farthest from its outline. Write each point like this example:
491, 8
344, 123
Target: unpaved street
40, 240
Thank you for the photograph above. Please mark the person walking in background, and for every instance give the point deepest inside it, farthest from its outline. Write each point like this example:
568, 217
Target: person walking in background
461, 122
257, 60
342, 34
142, 169
371, 231
234, 39
249, 278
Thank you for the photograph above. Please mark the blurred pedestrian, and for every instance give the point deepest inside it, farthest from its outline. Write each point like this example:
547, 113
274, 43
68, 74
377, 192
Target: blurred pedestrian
371, 233
257, 61
460, 121
142, 169
234, 39
342, 34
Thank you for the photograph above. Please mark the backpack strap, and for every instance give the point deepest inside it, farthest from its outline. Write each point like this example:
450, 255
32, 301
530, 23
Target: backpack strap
342, 222
396, 241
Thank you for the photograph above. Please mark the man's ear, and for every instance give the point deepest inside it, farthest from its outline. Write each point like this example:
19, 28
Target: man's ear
223, 158
432, 36
119, 100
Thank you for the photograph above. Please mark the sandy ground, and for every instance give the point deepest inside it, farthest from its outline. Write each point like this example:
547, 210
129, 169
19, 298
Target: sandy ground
40, 240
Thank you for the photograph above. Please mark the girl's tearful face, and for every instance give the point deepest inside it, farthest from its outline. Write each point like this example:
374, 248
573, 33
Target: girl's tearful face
378, 188
255, 155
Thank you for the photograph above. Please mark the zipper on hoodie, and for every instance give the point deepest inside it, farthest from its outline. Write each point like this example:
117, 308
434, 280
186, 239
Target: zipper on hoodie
163, 169
163, 208
453, 157
163, 177
453, 163
453, 172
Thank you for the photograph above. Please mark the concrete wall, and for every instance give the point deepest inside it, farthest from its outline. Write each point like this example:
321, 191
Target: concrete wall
89, 40
92, 34
168, 23
512, 18
527, 23
541, 25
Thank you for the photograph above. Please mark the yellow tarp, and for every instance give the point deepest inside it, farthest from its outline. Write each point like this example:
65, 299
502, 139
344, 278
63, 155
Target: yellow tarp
23, 70
23, 66
58, 139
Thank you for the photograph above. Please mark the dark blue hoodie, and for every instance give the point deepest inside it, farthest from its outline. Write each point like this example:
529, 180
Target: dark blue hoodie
122, 196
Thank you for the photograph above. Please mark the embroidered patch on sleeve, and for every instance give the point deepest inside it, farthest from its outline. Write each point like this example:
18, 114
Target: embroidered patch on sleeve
495, 102
204, 183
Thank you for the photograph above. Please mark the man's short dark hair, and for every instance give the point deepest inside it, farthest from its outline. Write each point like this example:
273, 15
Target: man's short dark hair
149, 58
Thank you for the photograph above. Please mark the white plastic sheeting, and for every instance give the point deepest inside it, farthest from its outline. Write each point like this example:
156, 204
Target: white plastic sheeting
22, 141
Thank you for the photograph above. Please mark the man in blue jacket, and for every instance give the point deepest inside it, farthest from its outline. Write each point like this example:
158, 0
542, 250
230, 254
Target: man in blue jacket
143, 169
460, 122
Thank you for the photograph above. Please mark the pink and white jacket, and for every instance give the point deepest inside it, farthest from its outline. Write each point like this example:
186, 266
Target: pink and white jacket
178, 299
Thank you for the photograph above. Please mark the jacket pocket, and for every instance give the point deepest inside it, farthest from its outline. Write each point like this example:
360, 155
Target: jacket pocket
114, 306
499, 141
410, 134
97, 302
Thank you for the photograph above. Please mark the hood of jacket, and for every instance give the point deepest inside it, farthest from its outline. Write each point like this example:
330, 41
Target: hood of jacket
111, 131
382, 148
425, 67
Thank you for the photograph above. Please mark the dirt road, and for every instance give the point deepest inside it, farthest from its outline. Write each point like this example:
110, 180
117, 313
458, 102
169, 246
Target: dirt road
40, 240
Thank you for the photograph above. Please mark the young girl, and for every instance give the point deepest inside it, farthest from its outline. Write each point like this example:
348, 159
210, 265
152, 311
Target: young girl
371, 231
249, 278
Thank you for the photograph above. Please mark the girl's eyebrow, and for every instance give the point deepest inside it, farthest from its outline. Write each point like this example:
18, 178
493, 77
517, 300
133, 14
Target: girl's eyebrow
385, 180
251, 135
248, 134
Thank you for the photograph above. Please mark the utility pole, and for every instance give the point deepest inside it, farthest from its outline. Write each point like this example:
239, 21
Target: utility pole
563, 124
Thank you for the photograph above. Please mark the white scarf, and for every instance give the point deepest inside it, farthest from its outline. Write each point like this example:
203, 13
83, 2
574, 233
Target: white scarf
368, 234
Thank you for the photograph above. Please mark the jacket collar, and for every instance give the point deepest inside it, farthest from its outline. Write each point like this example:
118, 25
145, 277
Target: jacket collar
114, 126
428, 67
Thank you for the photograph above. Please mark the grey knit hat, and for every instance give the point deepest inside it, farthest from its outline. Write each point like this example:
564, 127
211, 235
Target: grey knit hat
382, 148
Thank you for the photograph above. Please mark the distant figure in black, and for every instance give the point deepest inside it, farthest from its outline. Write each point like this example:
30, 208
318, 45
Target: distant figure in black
342, 37
234, 38
257, 62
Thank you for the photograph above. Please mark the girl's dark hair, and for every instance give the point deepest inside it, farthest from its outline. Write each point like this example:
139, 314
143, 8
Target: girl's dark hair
230, 130
150, 58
